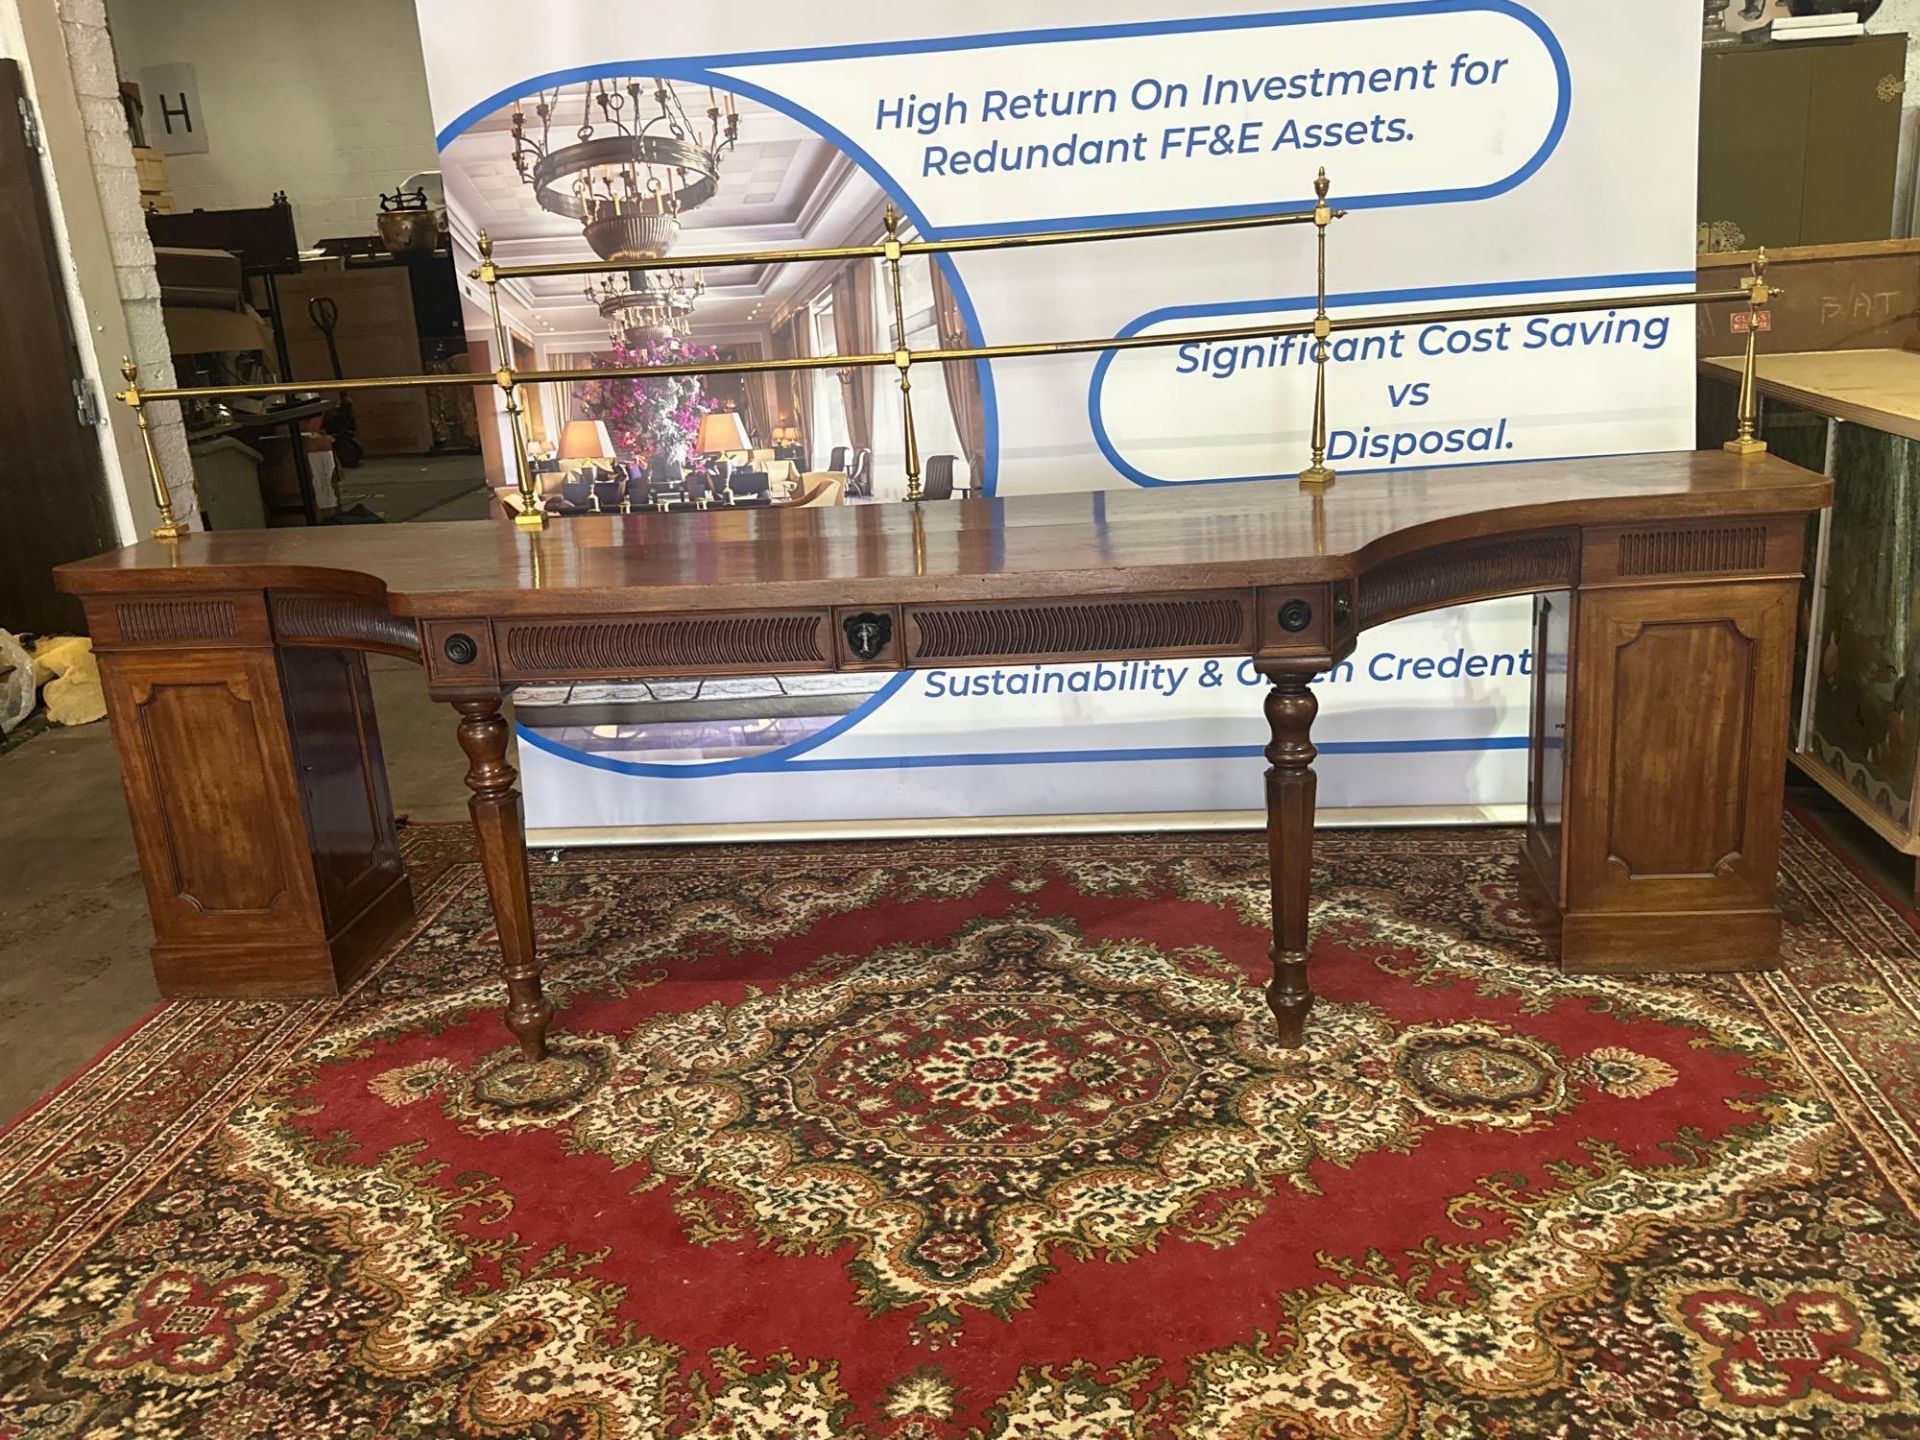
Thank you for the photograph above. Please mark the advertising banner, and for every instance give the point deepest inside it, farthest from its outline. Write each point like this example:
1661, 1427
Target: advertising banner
1485, 151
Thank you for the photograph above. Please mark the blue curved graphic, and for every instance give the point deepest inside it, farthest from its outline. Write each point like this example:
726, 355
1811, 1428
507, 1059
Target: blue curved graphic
703, 68
1305, 303
1446, 745
775, 759
706, 70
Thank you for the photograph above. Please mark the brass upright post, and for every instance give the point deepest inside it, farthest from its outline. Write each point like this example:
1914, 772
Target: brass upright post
1318, 474
1746, 441
902, 358
170, 526
533, 514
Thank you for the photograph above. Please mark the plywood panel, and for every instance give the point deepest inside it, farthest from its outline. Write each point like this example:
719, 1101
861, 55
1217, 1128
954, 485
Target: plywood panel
376, 335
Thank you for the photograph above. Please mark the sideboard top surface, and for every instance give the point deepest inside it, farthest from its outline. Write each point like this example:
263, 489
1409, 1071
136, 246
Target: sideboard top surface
1088, 542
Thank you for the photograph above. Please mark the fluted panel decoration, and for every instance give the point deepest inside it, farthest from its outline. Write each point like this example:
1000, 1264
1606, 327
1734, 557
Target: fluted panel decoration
341, 619
1715, 550
1132, 627
663, 646
1431, 579
153, 622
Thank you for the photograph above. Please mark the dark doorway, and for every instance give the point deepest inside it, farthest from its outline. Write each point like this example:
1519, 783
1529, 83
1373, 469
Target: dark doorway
53, 491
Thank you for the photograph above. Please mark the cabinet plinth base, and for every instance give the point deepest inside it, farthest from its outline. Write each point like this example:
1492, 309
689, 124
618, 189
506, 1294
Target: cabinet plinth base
1627, 942
292, 971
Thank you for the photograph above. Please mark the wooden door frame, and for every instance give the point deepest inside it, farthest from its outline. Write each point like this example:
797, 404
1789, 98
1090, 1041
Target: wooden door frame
94, 298
56, 490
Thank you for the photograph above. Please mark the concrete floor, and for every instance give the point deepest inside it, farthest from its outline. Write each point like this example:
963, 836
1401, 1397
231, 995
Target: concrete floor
73, 915
417, 487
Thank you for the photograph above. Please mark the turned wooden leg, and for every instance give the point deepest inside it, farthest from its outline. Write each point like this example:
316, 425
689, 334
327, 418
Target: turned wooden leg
497, 827
1290, 711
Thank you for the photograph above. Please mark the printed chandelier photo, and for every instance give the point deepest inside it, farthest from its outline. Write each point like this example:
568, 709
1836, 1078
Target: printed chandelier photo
640, 308
625, 178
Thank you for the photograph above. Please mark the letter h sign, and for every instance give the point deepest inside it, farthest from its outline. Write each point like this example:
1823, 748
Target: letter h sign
171, 114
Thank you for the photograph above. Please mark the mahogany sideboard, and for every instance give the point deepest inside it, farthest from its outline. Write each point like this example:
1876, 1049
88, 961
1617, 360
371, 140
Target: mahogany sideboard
1666, 593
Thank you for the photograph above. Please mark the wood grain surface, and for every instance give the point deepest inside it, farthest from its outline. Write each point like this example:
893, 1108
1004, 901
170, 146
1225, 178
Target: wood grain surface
1103, 542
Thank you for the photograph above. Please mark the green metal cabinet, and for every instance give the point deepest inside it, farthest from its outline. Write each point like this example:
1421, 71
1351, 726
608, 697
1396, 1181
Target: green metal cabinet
1854, 415
1797, 140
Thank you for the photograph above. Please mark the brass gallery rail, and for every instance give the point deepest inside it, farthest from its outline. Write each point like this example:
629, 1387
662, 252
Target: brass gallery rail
1754, 293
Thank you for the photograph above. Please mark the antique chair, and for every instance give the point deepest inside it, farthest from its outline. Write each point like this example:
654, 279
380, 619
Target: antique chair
749, 488
939, 478
860, 472
826, 488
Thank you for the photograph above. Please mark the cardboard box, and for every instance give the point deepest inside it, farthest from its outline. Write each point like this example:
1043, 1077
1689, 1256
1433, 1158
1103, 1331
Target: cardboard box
376, 335
151, 167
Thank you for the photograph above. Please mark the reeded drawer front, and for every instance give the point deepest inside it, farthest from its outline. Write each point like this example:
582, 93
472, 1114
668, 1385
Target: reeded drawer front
1133, 626
637, 646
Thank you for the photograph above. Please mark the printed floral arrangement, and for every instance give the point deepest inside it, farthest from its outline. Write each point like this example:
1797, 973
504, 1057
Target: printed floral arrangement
655, 417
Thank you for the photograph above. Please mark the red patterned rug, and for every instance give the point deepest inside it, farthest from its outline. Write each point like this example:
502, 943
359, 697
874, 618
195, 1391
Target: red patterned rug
989, 1138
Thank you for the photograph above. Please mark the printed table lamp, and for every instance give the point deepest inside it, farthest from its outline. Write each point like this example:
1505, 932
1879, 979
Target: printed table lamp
586, 440
722, 434
586, 452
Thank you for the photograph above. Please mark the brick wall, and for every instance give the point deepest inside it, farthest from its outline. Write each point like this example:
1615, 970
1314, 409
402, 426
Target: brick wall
96, 84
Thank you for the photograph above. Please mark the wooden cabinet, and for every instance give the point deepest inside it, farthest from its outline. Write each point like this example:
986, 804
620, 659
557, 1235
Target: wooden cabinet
1797, 140
258, 794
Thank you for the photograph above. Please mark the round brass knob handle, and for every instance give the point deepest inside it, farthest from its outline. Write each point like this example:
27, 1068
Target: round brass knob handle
460, 649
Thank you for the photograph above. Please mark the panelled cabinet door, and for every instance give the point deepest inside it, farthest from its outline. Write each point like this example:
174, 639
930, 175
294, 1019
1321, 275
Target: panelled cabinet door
1679, 740
343, 779
1753, 142
204, 754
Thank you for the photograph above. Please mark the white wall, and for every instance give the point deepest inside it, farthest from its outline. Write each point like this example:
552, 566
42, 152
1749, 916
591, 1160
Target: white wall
101, 239
325, 101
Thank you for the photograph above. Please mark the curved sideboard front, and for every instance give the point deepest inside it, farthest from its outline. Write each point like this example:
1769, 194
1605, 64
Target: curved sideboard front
235, 672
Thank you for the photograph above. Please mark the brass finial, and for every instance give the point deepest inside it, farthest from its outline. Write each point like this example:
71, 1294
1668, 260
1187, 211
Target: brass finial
1318, 473
485, 242
1746, 440
171, 527
902, 357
